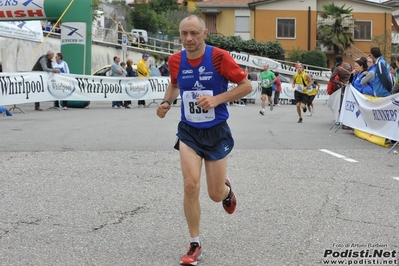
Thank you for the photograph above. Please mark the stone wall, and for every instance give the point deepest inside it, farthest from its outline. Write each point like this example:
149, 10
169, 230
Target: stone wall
20, 55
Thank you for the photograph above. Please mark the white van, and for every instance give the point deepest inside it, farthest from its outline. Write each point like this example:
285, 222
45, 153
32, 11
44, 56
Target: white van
137, 32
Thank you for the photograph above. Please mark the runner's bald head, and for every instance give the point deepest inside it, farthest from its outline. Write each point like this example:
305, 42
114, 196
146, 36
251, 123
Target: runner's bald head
193, 17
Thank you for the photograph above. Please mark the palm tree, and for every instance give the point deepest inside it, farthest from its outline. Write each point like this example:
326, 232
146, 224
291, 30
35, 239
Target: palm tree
336, 27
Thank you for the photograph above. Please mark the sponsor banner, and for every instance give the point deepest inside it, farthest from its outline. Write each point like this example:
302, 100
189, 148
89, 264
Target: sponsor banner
378, 117
258, 62
73, 33
334, 102
251, 95
26, 30
27, 87
22, 10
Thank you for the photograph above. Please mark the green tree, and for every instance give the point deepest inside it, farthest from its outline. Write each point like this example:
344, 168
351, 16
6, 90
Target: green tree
150, 18
314, 58
296, 54
160, 6
384, 42
95, 4
336, 27
235, 43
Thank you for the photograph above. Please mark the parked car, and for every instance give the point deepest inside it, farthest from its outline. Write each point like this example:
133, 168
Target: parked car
106, 71
138, 32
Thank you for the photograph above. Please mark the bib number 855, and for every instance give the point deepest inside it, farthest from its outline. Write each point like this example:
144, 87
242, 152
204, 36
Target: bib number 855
195, 109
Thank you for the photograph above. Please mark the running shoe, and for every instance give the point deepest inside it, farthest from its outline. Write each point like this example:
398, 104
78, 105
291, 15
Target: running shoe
271, 107
229, 204
192, 256
300, 120
261, 112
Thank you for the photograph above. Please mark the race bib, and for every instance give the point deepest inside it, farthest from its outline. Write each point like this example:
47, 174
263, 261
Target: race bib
192, 111
299, 87
266, 83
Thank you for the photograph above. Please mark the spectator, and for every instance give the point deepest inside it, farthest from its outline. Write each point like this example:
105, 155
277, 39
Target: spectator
123, 65
140, 38
129, 69
252, 76
382, 79
164, 70
44, 63
368, 77
278, 89
340, 76
63, 67
116, 71
343, 71
395, 88
338, 60
360, 72
392, 68
130, 73
143, 71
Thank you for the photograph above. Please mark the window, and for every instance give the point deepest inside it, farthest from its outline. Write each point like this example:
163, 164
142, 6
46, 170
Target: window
242, 23
285, 28
362, 30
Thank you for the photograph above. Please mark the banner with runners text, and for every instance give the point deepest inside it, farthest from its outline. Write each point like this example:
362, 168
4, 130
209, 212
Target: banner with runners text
27, 87
25, 30
378, 117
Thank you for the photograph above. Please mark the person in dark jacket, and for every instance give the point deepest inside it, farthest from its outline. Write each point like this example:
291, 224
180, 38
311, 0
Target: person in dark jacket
130, 73
44, 63
164, 69
343, 71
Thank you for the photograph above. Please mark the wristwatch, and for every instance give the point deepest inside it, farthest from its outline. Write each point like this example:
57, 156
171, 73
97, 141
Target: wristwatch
166, 101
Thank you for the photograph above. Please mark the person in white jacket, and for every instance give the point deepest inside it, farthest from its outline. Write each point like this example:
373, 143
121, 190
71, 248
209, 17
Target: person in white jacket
63, 67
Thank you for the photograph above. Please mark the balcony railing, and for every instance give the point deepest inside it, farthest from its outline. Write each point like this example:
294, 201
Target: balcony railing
113, 36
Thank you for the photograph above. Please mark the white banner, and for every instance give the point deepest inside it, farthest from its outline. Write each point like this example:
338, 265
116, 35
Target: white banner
73, 33
22, 10
27, 87
334, 102
378, 117
25, 30
258, 62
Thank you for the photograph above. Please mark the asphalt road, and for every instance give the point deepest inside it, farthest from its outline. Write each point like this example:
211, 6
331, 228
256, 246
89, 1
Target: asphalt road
103, 186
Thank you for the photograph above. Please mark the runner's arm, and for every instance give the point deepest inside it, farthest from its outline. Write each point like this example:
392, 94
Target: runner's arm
170, 95
244, 87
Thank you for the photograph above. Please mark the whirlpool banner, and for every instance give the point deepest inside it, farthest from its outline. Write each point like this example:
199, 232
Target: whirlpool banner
26, 87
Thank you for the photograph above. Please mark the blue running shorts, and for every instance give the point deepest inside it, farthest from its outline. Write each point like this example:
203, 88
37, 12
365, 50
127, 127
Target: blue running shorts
212, 144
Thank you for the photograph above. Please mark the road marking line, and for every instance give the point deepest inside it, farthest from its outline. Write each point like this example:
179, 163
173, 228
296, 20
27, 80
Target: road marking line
396, 177
339, 156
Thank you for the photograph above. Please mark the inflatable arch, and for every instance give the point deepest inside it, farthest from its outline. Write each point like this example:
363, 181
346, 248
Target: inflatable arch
76, 25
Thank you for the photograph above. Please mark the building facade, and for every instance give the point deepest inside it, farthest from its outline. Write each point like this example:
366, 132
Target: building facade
294, 22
